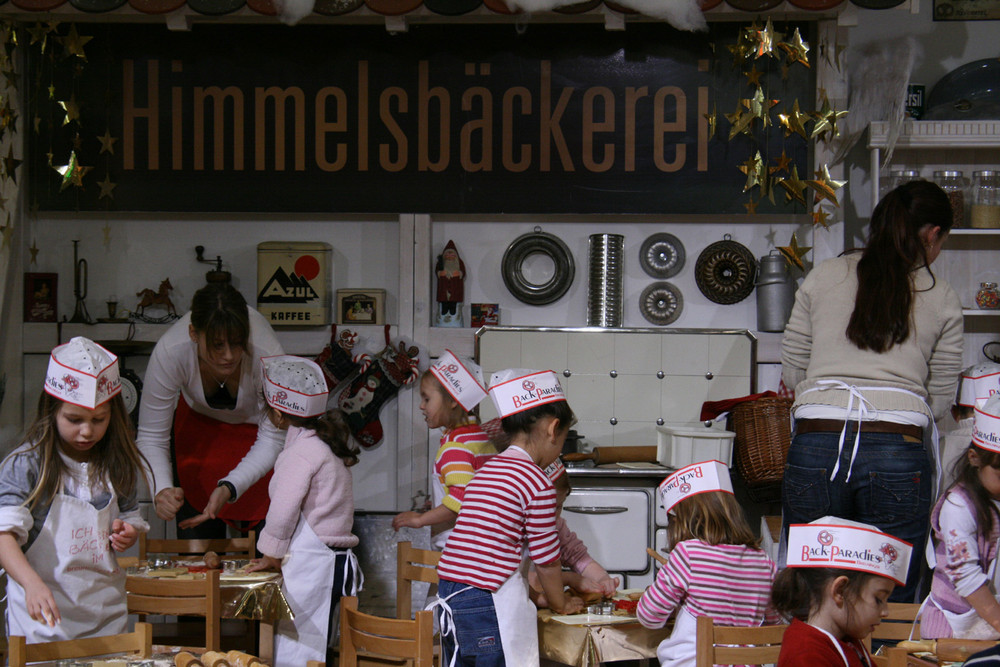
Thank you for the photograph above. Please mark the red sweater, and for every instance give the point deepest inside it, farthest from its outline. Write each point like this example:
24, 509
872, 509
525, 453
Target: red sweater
805, 646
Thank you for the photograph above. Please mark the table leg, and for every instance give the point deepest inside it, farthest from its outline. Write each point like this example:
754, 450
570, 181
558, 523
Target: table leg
266, 639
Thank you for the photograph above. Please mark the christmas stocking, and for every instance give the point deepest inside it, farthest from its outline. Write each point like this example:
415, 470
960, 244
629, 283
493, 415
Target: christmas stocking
336, 360
377, 383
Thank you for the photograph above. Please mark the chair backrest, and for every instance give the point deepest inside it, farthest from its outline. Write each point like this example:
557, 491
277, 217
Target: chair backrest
139, 641
727, 645
243, 547
364, 634
412, 565
898, 625
190, 597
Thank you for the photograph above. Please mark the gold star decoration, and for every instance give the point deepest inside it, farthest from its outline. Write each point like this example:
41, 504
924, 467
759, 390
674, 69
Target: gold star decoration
10, 165
72, 172
826, 121
8, 117
753, 76
34, 252
760, 107
107, 187
796, 49
739, 121
73, 42
752, 168
713, 121
107, 142
781, 163
820, 217
38, 34
793, 122
52, 91
751, 207
794, 253
826, 187
793, 186
72, 109
766, 40
107, 235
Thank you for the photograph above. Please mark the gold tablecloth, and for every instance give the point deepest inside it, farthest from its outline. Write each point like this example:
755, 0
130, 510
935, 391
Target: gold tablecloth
590, 645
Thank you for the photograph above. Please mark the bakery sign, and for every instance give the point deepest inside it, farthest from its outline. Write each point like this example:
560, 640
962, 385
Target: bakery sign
440, 119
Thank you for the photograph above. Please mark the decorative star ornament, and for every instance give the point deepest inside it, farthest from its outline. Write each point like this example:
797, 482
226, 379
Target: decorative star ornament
781, 163
72, 172
826, 121
753, 76
72, 109
760, 107
751, 207
34, 252
38, 33
794, 253
74, 43
107, 187
794, 121
826, 187
796, 49
767, 39
793, 186
107, 142
820, 218
10, 165
753, 168
739, 121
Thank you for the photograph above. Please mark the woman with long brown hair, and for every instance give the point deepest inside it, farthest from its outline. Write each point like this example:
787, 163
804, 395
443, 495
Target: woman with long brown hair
873, 349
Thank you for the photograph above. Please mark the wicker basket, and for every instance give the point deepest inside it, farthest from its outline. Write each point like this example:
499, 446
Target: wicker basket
763, 433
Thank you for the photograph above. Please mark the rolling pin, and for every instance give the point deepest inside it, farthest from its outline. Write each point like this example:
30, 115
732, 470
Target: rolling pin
956, 650
600, 455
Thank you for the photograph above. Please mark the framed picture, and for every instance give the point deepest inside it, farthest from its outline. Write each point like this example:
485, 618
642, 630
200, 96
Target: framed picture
966, 10
361, 306
40, 297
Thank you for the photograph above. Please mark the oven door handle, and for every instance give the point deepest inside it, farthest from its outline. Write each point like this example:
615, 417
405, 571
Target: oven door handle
585, 509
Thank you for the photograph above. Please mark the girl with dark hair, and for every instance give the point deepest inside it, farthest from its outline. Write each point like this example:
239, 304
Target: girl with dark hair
873, 349
202, 410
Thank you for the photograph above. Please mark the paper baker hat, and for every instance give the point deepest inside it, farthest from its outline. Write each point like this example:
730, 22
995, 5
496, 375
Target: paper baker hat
848, 545
555, 470
517, 389
694, 479
294, 385
462, 380
979, 382
83, 373
986, 424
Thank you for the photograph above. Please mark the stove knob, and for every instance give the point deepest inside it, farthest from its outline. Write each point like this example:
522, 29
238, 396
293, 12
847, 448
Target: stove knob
614, 374
709, 376
661, 374
659, 421
614, 421
567, 373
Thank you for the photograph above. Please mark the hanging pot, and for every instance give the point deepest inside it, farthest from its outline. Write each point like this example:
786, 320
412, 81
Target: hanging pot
725, 271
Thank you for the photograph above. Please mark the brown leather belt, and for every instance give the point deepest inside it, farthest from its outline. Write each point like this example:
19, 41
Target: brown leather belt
836, 425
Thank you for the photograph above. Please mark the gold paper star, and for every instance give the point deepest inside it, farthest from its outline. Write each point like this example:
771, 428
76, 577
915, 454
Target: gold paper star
38, 34
826, 187
819, 217
751, 207
107, 187
793, 186
52, 92
68, 171
759, 107
793, 122
752, 168
782, 162
107, 143
10, 165
740, 122
753, 76
796, 49
794, 253
72, 109
766, 40
107, 234
74, 43
34, 252
826, 121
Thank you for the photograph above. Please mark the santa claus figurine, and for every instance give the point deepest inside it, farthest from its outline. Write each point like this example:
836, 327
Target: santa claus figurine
450, 287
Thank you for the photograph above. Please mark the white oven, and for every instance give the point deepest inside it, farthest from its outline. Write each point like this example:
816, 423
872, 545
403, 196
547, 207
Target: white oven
615, 524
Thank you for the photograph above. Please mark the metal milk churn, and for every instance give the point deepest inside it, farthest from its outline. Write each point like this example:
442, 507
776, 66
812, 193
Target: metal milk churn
775, 292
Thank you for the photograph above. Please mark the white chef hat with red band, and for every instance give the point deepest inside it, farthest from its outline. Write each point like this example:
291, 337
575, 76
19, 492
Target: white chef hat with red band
691, 480
294, 385
555, 470
848, 545
83, 373
986, 425
979, 383
463, 380
517, 389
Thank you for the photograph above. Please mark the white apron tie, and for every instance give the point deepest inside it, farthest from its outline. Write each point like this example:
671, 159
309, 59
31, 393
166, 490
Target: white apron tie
447, 621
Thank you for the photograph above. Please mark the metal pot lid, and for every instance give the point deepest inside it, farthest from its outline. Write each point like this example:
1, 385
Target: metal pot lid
661, 303
662, 255
725, 271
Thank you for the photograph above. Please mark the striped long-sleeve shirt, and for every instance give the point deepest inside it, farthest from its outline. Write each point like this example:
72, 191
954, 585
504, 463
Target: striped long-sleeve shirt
463, 451
508, 503
730, 583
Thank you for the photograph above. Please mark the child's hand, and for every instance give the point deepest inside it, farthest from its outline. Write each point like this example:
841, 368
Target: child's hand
606, 586
218, 498
123, 535
168, 502
571, 605
265, 563
41, 605
407, 520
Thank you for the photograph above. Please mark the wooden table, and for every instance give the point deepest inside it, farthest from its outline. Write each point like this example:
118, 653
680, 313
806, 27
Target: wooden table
163, 656
592, 640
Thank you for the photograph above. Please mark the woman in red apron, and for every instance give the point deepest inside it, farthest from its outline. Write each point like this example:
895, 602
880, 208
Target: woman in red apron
203, 388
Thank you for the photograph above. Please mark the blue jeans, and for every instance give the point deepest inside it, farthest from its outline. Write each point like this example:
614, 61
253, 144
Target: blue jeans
476, 626
890, 488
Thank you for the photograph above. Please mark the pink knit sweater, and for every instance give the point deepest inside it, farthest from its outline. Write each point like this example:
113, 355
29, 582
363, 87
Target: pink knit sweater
309, 481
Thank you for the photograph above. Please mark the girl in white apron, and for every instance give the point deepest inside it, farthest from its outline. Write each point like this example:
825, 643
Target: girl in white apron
966, 527
485, 615
68, 501
716, 567
307, 534
836, 589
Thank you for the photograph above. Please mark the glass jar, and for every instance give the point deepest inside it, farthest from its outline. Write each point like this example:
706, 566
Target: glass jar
987, 298
985, 209
954, 186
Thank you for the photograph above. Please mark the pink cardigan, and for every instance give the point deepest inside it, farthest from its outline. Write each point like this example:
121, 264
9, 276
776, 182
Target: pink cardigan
309, 482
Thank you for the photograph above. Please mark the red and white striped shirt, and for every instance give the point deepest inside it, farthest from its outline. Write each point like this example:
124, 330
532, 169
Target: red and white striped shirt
510, 501
730, 583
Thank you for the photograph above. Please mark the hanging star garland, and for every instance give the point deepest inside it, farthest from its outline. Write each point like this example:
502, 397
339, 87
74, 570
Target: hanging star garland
781, 163
72, 109
796, 49
820, 218
72, 172
751, 207
107, 187
38, 33
753, 167
739, 122
10, 165
826, 121
760, 107
793, 186
107, 143
73, 42
794, 253
767, 40
826, 187
793, 122
753, 76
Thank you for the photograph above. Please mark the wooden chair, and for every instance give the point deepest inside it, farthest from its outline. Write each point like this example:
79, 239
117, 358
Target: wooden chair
140, 642
412, 565
363, 634
191, 597
726, 645
900, 624
240, 547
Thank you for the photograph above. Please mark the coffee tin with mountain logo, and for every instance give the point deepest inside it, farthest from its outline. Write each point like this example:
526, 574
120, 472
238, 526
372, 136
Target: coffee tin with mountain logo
293, 282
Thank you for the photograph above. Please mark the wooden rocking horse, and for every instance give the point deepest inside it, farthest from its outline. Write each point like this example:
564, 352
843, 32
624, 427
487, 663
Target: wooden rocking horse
160, 298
